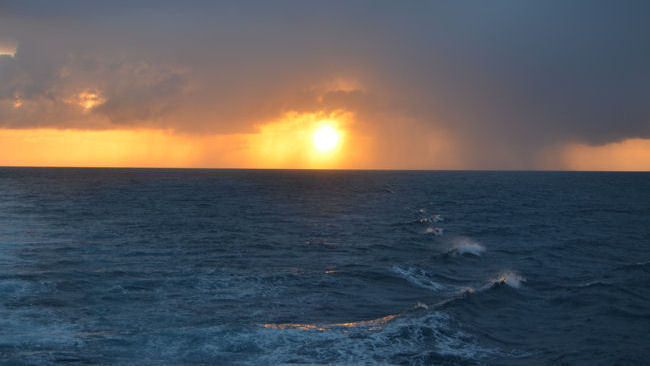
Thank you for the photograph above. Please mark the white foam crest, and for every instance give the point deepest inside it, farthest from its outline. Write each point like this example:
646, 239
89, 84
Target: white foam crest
433, 219
509, 278
464, 246
435, 231
417, 277
402, 336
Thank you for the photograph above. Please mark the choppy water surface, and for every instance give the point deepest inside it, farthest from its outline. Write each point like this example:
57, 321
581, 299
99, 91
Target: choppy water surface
110, 266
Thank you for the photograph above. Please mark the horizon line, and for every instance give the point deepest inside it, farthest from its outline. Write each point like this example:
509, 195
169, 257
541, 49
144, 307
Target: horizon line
326, 169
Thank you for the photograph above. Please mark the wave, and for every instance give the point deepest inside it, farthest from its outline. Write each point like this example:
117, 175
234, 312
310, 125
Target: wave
466, 246
373, 324
608, 289
419, 336
433, 218
417, 277
428, 219
435, 231
507, 278
639, 266
28, 319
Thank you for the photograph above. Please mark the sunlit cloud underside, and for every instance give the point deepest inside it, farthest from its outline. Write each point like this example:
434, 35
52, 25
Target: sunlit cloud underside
424, 85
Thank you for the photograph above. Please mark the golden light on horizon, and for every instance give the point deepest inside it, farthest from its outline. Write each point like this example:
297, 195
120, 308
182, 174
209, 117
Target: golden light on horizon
286, 143
306, 140
7, 49
325, 138
625, 155
100, 148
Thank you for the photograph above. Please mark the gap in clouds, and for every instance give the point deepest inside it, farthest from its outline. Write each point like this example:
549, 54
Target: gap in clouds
431, 85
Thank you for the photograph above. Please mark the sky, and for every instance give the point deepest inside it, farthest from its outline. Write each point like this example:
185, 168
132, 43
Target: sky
561, 85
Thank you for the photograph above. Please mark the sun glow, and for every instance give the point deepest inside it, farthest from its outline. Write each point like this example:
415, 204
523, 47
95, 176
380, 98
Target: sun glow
87, 100
7, 49
325, 138
319, 140
288, 142
629, 154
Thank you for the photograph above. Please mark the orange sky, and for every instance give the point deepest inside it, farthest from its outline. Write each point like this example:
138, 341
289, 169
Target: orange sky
630, 154
423, 85
287, 143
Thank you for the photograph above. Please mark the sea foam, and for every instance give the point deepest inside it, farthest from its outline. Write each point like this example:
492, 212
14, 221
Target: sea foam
395, 338
418, 277
508, 278
466, 246
435, 231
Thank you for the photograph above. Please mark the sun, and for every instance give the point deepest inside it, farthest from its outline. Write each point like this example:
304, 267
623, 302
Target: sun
325, 138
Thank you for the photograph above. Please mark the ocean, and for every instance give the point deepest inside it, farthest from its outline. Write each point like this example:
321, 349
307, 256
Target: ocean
257, 267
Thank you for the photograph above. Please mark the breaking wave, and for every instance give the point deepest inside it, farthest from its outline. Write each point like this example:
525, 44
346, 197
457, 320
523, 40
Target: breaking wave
417, 277
507, 278
418, 337
435, 231
466, 246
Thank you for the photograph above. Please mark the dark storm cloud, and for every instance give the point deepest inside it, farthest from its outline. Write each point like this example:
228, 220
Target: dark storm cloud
514, 74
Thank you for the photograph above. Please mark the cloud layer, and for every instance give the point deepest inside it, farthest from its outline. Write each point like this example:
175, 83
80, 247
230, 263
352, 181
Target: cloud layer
503, 80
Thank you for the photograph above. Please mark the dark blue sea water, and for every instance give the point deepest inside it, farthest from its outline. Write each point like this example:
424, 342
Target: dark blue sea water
218, 267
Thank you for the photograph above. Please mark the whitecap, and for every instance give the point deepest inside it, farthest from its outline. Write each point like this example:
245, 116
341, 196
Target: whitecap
435, 231
417, 277
463, 246
508, 278
368, 342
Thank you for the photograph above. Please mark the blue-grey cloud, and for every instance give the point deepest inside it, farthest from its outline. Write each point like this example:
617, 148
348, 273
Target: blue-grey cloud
513, 74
